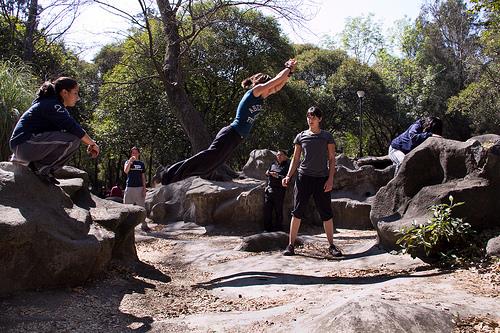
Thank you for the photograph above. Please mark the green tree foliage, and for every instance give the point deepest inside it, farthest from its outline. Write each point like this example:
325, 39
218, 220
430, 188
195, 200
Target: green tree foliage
135, 110
17, 90
450, 45
479, 101
22, 38
362, 38
331, 79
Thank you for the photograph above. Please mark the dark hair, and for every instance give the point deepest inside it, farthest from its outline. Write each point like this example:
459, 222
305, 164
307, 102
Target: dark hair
134, 147
284, 152
433, 125
315, 111
54, 88
255, 79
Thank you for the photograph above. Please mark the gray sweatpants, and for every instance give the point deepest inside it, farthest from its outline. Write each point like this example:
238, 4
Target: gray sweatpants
133, 195
48, 151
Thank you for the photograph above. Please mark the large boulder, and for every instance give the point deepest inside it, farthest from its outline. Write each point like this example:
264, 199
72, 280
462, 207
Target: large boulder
236, 203
45, 238
240, 202
431, 173
493, 247
258, 162
354, 187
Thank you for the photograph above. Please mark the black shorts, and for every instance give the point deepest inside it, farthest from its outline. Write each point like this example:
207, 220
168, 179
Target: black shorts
305, 186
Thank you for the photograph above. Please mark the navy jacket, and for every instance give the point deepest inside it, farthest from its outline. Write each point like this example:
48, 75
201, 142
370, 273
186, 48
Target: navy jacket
282, 170
44, 115
410, 138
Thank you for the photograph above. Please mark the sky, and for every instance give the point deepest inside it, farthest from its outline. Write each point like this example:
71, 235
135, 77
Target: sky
95, 27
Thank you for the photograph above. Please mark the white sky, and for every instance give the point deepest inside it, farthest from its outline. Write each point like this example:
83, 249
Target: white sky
95, 27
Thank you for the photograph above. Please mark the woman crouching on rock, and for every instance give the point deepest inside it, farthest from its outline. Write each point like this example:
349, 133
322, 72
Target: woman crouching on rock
46, 136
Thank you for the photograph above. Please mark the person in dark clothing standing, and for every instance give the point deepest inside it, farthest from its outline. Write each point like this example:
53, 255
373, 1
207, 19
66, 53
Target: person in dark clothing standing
259, 86
135, 190
315, 178
417, 133
274, 193
46, 136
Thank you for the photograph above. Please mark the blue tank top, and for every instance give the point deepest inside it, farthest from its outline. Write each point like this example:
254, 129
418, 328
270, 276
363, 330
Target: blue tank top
246, 114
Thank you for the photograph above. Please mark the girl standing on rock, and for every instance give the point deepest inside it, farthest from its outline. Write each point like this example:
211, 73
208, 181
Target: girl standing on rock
46, 136
259, 86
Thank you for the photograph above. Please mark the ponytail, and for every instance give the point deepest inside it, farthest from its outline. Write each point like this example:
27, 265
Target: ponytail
47, 89
51, 89
255, 79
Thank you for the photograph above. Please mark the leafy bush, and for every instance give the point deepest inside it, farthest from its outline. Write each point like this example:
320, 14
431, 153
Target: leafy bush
442, 236
17, 87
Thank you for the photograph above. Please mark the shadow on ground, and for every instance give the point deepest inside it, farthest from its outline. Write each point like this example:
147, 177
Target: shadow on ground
245, 279
88, 308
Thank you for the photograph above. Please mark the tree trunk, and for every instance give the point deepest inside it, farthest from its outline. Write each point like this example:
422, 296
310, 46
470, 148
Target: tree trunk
31, 25
171, 74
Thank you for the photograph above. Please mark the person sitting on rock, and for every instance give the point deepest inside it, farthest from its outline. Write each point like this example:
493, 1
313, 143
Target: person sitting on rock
259, 86
274, 194
417, 133
315, 177
46, 136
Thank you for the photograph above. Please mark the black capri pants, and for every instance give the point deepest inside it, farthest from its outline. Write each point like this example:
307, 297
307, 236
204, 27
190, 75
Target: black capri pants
305, 186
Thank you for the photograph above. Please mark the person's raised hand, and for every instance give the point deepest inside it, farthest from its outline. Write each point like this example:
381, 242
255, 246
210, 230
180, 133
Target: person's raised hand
291, 63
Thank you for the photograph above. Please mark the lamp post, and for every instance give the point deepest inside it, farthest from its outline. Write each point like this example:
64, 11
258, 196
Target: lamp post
361, 94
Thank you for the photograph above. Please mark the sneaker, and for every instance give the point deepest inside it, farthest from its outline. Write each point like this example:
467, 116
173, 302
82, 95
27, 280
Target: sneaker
334, 251
47, 179
53, 179
289, 251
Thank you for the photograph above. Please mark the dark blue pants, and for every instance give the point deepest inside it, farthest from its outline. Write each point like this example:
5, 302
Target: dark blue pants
273, 202
205, 161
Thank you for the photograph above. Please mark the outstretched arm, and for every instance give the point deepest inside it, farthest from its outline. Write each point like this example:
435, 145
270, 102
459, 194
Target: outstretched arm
297, 152
275, 84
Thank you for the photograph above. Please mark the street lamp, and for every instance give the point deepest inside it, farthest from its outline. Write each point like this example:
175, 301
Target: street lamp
361, 94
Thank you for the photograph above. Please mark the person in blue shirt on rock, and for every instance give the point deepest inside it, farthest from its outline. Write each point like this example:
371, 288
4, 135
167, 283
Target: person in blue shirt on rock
414, 135
46, 136
135, 190
315, 169
259, 86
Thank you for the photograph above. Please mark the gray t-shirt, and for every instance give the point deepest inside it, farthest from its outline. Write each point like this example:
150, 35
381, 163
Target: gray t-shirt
315, 152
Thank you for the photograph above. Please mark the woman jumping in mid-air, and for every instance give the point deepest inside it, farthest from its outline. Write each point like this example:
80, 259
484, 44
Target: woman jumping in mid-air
259, 87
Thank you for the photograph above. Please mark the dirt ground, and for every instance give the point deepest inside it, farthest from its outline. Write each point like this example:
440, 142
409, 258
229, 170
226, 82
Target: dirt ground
191, 280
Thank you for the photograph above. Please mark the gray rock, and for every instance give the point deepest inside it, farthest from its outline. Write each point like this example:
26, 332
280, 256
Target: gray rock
351, 214
258, 162
47, 240
367, 315
266, 241
431, 173
493, 247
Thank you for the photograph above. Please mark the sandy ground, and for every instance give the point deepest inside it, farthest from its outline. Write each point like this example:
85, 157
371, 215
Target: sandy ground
191, 280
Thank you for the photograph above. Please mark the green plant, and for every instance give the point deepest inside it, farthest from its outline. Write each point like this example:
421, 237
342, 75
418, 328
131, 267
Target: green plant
17, 86
443, 235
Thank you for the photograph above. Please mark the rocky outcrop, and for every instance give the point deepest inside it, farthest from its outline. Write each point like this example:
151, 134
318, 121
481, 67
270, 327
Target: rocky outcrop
431, 173
49, 235
266, 241
237, 203
493, 247
240, 202
258, 162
